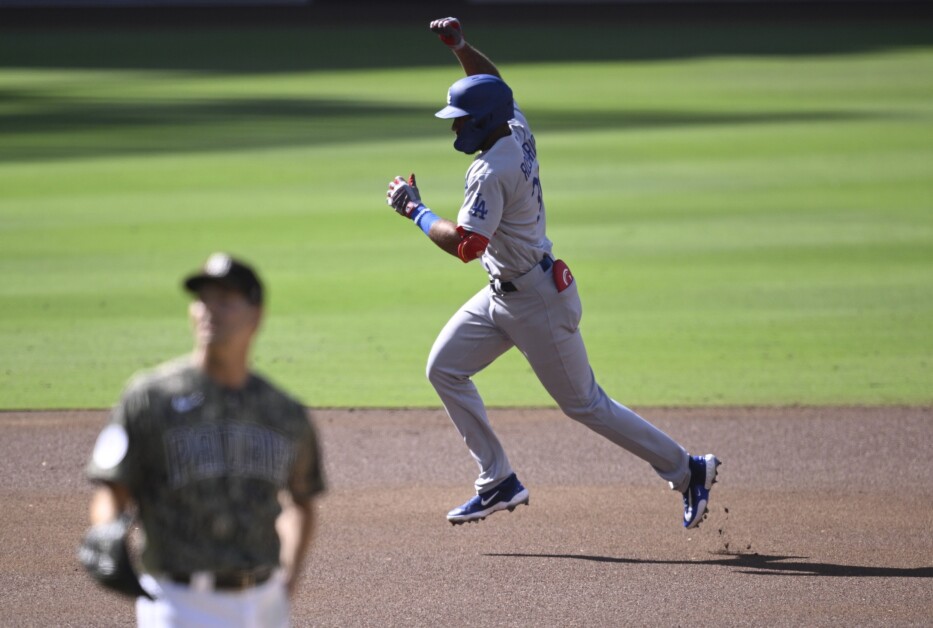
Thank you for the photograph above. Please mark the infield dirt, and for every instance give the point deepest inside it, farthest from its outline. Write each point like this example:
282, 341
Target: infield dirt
823, 516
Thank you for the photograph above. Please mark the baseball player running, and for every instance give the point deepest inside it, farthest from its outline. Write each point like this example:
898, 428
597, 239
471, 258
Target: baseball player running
203, 448
531, 301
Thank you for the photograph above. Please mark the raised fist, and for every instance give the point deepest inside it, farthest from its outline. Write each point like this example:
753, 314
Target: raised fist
448, 29
404, 196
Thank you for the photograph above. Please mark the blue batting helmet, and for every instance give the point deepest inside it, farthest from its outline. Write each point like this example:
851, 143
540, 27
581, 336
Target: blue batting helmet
488, 102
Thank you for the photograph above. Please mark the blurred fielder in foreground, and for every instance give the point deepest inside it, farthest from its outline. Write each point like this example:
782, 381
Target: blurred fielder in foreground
531, 301
206, 453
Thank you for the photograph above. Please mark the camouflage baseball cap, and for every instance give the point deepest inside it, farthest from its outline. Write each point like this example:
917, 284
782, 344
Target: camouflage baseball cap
228, 271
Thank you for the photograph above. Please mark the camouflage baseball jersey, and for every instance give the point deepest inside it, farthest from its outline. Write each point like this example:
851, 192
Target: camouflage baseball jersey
205, 465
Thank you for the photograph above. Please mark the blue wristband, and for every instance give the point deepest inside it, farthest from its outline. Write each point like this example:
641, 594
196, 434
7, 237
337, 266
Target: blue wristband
424, 218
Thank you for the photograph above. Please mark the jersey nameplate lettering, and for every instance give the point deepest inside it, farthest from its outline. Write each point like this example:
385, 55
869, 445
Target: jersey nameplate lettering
210, 451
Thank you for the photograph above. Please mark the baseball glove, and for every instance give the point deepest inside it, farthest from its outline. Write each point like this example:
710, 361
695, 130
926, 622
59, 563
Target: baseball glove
104, 554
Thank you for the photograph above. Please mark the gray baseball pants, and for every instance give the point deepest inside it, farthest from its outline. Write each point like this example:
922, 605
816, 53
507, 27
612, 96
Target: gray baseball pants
544, 325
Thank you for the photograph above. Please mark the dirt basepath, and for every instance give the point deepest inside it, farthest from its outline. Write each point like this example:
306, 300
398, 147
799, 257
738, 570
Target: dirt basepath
822, 517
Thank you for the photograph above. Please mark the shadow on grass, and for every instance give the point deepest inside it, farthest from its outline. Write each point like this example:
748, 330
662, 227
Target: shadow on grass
756, 564
43, 127
43, 122
269, 49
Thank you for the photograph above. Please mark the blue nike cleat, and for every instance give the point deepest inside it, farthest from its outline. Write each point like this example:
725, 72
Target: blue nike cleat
696, 497
508, 494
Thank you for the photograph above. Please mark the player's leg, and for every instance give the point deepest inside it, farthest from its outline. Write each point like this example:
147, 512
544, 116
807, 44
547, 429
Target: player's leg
468, 343
549, 337
269, 604
185, 605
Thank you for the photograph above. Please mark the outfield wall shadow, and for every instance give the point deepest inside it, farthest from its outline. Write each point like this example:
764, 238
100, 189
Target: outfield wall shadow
294, 48
109, 128
99, 127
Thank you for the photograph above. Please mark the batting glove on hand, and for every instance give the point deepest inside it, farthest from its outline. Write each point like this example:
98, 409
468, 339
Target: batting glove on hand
404, 196
448, 29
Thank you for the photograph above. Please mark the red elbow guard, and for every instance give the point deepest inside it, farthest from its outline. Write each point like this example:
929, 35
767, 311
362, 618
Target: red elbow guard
472, 245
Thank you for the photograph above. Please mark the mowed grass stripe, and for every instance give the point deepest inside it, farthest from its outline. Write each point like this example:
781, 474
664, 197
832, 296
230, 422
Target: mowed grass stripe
745, 230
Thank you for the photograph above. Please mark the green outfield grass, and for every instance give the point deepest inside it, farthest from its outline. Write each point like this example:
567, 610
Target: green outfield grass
745, 228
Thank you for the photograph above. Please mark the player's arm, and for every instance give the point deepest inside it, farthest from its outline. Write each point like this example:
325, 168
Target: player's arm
296, 527
463, 244
473, 61
109, 501
405, 198
111, 466
297, 522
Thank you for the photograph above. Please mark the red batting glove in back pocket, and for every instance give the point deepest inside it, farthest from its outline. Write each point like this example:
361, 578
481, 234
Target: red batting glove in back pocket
562, 276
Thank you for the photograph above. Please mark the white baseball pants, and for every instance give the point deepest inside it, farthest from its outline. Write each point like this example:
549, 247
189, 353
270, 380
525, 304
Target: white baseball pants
184, 606
543, 324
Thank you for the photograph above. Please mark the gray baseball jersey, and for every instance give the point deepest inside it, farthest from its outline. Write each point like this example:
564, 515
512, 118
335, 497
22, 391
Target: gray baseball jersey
504, 202
205, 465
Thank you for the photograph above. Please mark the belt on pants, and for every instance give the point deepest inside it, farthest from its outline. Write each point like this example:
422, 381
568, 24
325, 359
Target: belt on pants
508, 286
227, 581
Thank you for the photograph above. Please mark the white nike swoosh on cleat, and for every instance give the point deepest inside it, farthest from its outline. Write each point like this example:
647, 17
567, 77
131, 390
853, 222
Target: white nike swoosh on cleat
485, 502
